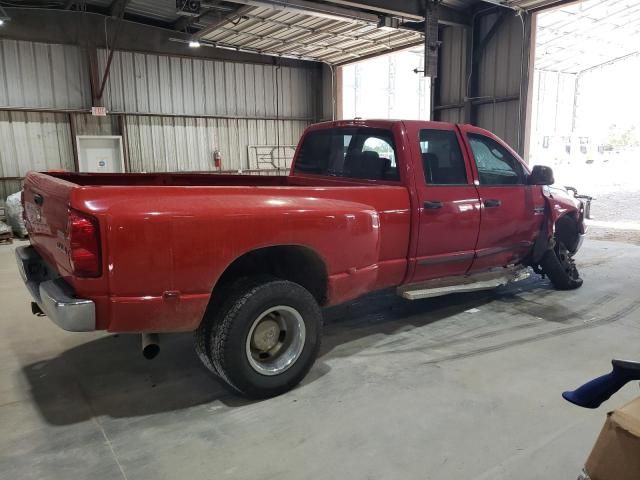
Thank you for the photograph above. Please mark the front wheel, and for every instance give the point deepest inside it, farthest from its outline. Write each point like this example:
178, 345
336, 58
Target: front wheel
264, 338
559, 266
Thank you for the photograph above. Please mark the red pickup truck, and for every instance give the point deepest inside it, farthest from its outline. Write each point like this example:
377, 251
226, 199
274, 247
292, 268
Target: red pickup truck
247, 261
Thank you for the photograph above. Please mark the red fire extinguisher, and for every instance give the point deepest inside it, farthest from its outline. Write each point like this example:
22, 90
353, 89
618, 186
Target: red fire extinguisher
217, 160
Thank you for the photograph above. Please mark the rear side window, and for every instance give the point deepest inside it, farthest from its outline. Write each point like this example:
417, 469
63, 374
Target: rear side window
496, 166
365, 153
442, 160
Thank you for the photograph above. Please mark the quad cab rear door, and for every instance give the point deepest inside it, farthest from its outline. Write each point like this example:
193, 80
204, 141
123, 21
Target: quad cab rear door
448, 217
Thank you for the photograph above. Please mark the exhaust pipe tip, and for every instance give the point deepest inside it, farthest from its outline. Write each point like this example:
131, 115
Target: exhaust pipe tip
150, 345
151, 351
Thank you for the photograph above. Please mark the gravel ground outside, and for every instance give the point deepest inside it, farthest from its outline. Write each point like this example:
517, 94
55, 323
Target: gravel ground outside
615, 186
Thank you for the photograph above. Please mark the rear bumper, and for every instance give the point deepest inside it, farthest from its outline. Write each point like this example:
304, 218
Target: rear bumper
54, 296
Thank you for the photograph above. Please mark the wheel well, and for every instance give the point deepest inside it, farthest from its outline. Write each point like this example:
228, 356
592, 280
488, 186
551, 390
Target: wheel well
288, 262
566, 230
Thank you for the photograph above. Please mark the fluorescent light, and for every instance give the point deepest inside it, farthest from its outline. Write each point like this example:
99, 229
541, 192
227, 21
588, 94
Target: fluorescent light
1, 22
194, 43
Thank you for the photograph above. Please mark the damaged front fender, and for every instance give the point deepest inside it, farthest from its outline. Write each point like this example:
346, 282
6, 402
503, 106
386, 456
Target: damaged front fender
564, 220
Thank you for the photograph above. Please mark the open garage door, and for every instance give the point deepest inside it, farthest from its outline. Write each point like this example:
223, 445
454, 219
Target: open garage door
584, 108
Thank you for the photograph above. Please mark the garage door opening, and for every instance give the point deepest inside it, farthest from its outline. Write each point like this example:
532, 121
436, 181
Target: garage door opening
388, 86
584, 108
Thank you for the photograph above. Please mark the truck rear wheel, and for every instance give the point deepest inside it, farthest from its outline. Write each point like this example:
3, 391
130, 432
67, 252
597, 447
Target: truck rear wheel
558, 265
264, 337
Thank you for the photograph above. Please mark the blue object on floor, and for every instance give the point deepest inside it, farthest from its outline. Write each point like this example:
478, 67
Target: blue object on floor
592, 394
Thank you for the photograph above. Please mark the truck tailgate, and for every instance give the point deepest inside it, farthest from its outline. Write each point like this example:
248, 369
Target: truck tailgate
46, 205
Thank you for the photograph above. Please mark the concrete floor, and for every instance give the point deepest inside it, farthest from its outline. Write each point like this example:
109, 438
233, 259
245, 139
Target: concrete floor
466, 386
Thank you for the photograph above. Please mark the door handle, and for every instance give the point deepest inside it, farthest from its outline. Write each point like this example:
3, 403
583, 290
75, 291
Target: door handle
492, 203
432, 204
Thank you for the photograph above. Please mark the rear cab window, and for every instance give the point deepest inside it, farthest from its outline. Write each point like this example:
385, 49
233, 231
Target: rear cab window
349, 152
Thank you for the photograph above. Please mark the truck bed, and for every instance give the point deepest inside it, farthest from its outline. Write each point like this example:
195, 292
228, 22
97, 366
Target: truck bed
167, 232
201, 179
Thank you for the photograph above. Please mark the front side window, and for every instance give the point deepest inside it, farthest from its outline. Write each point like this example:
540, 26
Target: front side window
366, 153
442, 160
496, 166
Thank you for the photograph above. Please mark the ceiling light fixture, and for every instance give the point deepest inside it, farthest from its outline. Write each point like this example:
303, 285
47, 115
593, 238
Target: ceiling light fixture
194, 43
4, 18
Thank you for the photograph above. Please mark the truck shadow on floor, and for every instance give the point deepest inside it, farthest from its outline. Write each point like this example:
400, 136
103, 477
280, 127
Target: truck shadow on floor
109, 377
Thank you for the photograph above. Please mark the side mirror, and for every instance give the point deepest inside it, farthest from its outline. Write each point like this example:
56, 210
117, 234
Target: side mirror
541, 175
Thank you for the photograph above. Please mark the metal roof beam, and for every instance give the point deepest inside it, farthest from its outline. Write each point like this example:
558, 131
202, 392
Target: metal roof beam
117, 7
222, 19
314, 30
409, 9
313, 9
551, 4
377, 54
63, 26
185, 22
271, 41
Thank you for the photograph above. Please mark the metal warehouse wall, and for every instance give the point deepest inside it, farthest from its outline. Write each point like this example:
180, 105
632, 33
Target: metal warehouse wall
32, 141
203, 105
188, 86
452, 69
161, 144
43, 76
172, 112
499, 77
329, 91
488, 86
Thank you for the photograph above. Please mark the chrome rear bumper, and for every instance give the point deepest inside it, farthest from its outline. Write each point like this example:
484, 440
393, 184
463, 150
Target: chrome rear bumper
53, 295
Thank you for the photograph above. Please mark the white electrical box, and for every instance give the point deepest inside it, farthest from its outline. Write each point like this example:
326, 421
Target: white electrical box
100, 154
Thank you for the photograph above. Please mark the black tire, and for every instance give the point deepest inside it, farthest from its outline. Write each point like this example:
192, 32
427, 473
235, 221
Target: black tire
221, 340
558, 265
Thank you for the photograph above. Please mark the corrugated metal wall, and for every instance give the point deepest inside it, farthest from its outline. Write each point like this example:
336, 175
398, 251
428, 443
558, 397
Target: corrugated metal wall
146, 83
32, 141
41, 75
87, 124
496, 79
453, 69
328, 93
161, 144
500, 74
173, 112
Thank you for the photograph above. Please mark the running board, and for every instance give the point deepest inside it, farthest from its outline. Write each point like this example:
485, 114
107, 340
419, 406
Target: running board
463, 283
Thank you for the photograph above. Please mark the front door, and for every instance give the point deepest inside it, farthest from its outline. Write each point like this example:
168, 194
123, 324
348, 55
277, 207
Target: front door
449, 207
512, 210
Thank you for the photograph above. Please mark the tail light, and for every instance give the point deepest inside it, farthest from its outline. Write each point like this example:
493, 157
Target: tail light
84, 242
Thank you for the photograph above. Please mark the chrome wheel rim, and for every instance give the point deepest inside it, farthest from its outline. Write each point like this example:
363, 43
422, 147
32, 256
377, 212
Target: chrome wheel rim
275, 340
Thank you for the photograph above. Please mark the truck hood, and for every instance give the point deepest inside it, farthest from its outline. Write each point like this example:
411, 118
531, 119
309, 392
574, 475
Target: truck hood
562, 196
